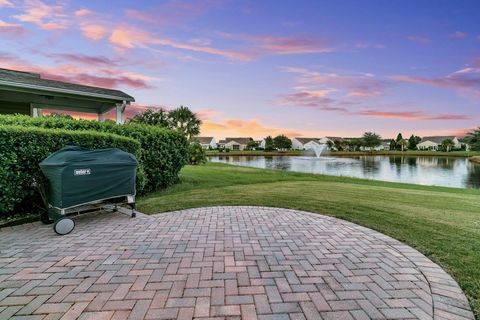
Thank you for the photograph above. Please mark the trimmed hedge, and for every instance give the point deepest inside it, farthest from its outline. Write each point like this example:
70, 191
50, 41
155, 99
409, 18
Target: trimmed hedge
164, 152
23, 148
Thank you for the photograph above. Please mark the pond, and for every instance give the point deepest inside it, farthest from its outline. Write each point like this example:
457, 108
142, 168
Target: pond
426, 170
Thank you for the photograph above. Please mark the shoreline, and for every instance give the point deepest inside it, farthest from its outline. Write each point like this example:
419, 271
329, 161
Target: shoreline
472, 155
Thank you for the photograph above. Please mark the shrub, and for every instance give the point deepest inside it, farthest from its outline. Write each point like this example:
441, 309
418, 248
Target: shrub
164, 150
23, 148
196, 154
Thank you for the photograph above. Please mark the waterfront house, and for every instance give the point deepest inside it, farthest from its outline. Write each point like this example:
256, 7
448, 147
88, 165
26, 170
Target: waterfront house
435, 143
304, 143
236, 143
207, 142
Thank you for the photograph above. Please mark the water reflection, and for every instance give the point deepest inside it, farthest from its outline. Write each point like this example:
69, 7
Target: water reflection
441, 171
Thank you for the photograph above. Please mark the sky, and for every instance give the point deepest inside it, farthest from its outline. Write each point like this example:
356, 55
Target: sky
257, 68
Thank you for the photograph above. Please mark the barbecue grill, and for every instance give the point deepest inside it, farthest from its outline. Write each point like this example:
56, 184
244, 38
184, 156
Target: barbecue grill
84, 178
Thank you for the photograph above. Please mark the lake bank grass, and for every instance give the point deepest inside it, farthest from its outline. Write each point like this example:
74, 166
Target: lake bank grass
442, 223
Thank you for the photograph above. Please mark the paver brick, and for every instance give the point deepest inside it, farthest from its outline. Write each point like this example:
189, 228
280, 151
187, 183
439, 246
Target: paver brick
220, 263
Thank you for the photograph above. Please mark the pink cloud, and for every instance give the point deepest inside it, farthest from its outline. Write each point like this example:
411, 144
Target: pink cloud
466, 80
287, 45
458, 35
353, 85
6, 3
95, 75
173, 13
312, 99
83, 12
93, 31
85, 59
419, 39
131, 37
410, 115
11, 29
48, 17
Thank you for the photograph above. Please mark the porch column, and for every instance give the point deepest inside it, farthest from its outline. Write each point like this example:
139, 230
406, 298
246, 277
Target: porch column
121, 112
36, 112
100, 117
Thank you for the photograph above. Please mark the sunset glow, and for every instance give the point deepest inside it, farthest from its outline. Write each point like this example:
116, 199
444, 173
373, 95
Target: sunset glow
257, 68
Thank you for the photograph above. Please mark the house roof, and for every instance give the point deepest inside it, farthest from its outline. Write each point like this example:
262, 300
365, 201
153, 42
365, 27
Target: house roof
238, 140
204, 140
28, 80
336, 138
436, 139
222, 141
306, 140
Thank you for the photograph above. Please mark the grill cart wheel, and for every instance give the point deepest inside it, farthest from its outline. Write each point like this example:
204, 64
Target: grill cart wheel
63, 226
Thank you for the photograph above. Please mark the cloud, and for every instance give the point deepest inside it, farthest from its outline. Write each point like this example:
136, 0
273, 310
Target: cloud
314, 99
410, 115
11, 29
93, 31
466, 80
6, 3
173, 13
458, 35
83, 12
95, 75
354, 85
290, 45
419, 39
48, 17
130, 37
261, 45
367, 45
84, 59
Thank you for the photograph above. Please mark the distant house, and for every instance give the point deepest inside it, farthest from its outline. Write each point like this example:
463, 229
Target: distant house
221, 144
304, 143
261, 144
435, 143
385, 145
327, 140
207, 142
236, 143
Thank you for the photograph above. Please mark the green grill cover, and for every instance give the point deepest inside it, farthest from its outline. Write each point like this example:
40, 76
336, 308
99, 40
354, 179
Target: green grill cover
77, 176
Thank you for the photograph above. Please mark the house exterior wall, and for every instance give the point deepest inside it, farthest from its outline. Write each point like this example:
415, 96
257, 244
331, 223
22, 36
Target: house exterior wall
324, 140
427, 145
211, 145
457, 143
297, 145
232, 145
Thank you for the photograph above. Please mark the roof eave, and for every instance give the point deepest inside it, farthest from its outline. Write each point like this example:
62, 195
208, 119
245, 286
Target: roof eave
67, 91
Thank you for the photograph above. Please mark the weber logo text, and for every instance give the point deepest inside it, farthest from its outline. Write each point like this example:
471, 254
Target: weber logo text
81, 172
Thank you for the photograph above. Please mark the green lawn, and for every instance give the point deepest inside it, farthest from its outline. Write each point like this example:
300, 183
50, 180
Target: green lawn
443, 223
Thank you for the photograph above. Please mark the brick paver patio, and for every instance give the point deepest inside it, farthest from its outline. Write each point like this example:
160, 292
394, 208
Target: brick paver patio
221, 263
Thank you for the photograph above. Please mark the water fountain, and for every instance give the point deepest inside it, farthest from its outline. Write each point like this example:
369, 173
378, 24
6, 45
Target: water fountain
317, 148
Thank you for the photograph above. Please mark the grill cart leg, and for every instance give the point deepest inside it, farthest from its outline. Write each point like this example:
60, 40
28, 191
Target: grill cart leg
131, 202
62, 224
133, 210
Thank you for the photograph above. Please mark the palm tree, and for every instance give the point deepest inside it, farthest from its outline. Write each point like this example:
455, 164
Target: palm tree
447, 144
473, 139
158, 118
185, 121
403, 144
